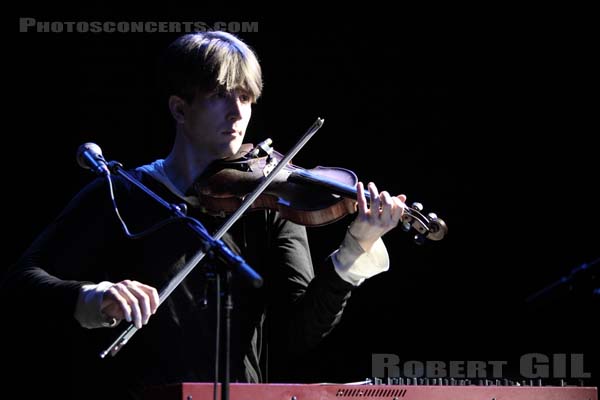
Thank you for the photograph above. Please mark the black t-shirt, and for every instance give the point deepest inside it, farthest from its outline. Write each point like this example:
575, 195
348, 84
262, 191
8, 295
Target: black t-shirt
290, 313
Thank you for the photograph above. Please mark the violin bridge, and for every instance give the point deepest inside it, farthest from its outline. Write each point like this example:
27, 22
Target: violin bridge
269, 166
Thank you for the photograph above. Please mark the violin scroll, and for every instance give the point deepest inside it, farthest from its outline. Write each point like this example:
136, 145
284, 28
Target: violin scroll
427, 226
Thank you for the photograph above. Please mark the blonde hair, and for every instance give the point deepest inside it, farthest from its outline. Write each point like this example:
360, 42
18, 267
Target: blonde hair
201, 62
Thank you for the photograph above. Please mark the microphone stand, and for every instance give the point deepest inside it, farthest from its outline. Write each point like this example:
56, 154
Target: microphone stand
562, 283
212, 245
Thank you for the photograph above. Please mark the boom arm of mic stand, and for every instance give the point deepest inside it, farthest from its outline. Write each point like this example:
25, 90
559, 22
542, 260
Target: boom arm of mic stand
212, 245
221, 249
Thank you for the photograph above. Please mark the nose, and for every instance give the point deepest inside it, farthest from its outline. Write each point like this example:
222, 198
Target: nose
234, 113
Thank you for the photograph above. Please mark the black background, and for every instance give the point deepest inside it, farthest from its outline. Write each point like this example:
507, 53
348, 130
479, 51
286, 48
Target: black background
488, 121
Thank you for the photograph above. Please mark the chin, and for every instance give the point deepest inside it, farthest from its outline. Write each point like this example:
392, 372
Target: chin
231, 149
235, 146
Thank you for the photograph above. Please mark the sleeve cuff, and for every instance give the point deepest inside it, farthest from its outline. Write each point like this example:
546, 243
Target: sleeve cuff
353, 264
89, 302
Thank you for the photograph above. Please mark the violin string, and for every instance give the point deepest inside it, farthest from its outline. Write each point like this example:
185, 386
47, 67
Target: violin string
407, 210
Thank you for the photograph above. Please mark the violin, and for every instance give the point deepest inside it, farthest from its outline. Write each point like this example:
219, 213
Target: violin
258, 178
310, 197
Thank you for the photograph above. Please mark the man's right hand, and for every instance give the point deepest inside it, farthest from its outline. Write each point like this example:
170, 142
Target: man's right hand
130, 300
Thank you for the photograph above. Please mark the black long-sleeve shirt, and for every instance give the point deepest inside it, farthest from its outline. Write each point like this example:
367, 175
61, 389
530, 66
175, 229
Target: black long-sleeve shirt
292, 312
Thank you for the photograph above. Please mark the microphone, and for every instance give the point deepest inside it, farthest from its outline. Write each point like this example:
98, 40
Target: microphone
89, 156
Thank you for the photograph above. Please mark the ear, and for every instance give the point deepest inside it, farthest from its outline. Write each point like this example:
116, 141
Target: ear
177, 108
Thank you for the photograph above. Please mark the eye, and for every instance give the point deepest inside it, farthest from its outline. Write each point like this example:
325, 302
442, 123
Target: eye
221, 93
245, 98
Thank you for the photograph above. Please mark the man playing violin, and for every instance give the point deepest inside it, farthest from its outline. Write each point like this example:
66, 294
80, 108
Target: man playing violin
89, 277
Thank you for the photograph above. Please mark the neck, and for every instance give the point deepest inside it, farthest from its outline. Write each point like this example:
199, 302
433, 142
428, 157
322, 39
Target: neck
184, 163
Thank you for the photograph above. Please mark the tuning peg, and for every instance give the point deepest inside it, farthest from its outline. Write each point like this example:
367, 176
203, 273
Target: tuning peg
419, 239
417, 206
432, 216
437, 228
406, 226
